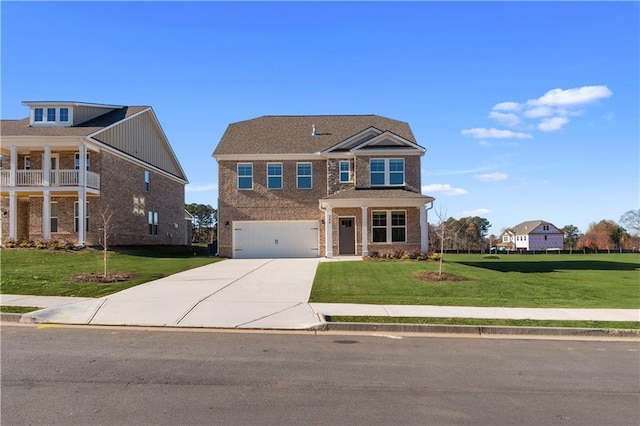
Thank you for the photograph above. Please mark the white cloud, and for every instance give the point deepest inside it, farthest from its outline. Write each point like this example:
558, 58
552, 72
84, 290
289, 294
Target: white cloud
482, 133
492, 177
537, 112
551, 124
476, 212
201, 188
507, 106
571, 97
444, 188
506, 118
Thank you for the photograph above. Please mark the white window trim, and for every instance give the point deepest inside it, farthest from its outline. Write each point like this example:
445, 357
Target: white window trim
387, 172
76, 161
281, 176
389, 226
238, 176
310, 175
46, 115
348, 171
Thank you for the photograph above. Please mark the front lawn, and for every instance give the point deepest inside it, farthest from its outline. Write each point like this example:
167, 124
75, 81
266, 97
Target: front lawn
49, 273
569, 281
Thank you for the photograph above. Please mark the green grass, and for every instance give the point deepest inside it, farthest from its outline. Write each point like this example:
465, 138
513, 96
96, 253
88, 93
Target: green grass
18, 309
625, 325
569, 281
48, 273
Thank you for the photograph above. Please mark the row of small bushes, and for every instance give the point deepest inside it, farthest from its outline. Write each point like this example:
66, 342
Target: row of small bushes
400, 254
41, 245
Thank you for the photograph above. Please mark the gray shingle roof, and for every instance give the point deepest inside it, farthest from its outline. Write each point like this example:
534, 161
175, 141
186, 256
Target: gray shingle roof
292, 134
527, 227
22, 128
374, 193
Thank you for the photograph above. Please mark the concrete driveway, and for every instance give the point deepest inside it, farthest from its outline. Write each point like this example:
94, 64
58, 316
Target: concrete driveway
233, 293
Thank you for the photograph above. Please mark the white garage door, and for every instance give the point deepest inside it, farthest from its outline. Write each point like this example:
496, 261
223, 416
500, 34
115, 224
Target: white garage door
285, 238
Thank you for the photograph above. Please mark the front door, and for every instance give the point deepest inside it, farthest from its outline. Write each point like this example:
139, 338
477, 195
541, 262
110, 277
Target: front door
347, 236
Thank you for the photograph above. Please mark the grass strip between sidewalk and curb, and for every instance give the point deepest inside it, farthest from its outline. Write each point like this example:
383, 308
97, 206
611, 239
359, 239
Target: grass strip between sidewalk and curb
6, 309
622, 325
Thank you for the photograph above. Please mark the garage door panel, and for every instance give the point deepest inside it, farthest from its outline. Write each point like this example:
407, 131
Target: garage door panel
264, 239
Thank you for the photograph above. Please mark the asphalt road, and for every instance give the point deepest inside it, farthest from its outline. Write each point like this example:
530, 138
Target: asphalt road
87, 376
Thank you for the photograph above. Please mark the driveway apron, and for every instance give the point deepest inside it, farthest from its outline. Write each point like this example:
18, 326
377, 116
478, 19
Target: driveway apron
233, 293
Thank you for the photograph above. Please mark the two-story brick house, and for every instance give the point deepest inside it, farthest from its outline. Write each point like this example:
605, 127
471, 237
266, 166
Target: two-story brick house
73, 160
326, 185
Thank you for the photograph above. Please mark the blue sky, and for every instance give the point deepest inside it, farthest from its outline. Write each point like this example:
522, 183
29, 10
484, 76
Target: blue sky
528, 110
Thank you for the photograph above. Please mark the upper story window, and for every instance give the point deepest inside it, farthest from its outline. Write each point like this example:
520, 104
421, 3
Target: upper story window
304, 175
51, 114
274, 175
345, 171
64, 114
77, 162
27, 162
387, 171
38, 114
245, 176
146, 180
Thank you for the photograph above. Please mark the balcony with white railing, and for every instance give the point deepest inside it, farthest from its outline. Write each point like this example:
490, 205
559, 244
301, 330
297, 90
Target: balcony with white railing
56, 178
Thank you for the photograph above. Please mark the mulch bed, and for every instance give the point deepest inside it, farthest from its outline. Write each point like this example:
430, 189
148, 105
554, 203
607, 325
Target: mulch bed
436, 277
95, 277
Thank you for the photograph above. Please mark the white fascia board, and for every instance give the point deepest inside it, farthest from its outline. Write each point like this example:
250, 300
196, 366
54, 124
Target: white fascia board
388, 135
125, 156
388, 152
375, 202
353, 138
269, 157
70, 103
41, 140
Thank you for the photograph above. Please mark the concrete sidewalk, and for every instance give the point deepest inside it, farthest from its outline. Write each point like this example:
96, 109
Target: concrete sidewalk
258, 294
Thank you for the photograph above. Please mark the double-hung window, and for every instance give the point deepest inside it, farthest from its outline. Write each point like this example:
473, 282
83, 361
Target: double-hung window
274, 175
245, 175
147, 177
54, 217
153, 223
389, 226
76, 216
304, 175
51, 114
64, 114
77, 162
386, 171
345, 171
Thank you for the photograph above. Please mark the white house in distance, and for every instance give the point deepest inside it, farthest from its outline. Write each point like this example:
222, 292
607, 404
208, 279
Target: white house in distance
533, 235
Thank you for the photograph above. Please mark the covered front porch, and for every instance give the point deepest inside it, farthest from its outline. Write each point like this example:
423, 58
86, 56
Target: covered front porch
362, 221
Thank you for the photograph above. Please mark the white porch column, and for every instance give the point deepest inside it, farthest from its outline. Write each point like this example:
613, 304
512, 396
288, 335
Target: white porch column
13, 165
46, 165
82, 220
13, 216
424, 230
82, 170
328, 232
46, 216
365, 234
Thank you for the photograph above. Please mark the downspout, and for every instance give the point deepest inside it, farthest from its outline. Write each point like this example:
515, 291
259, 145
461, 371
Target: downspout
426, 212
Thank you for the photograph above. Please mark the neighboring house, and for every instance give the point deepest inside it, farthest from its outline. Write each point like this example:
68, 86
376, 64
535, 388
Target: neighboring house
532, 235
311, 186
73, 160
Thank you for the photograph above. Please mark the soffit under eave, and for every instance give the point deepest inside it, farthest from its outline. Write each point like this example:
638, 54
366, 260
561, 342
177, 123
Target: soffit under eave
375, 202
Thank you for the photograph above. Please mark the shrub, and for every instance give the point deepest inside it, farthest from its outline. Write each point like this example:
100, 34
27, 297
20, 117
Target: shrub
41, 245
11, 244
434, 256
27, 244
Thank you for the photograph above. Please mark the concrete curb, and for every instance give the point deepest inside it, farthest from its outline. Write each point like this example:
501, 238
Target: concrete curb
8, 317
480, 330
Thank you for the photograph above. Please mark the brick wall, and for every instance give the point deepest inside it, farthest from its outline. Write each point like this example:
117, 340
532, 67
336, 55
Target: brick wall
261, 203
